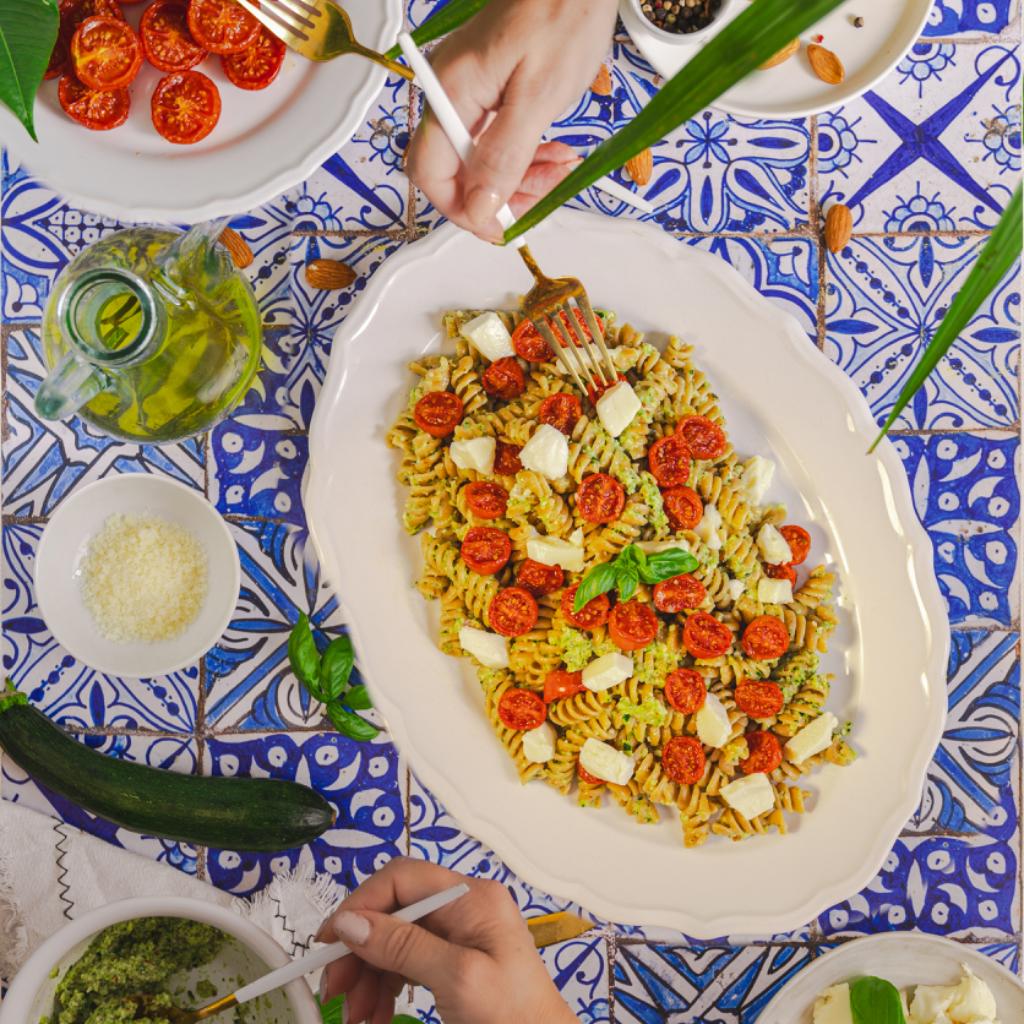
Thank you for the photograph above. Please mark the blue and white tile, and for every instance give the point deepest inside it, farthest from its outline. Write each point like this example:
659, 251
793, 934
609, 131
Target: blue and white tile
670, 984
61, 686
957, 887
885, 298
362, 781
970, 17
973, 783
936, 146
966, 493
177, 754
267, 231
1005, 953
44, 461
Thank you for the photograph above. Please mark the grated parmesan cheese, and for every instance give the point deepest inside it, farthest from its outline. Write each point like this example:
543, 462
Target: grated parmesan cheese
143, 578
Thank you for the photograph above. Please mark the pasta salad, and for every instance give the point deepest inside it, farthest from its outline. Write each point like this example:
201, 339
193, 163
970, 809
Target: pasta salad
644, 624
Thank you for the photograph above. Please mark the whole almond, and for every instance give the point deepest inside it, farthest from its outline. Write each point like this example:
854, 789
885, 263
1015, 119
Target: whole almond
641, 167
328, 274
838, 227
602, 85
241, 254
825, 64
783, 55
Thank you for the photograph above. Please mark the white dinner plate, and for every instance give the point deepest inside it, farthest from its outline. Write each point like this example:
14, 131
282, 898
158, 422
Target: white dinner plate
782, 399
791, 89
904, 958
266, 142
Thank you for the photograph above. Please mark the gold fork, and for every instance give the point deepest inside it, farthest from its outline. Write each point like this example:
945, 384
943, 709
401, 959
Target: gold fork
319, 30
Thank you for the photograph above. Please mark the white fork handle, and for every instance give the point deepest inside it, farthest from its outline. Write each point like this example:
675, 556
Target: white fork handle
336, 950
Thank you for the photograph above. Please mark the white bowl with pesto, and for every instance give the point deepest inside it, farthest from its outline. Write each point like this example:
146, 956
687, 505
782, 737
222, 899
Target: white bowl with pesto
62, 572
249, 953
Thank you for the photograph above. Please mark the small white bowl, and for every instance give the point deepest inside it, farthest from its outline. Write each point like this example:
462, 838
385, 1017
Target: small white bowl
701, 35
30, 997
63, 546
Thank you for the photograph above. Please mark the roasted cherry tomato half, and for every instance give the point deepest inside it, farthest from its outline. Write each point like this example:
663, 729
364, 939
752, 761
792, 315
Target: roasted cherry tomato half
186, 107
685, 690
506, 458
765, 638
600, 498
560, 684
438, 413
669, 461
706, 637
593, 614
521, 710
632, 625
99, 110
166, 40
679, 593
105, 53
486, 550
485, 499
257, 66
705, 437
540, 579
513, 612
759, 698
764, 753
561, 411
683, 508
683, 760
504, 378
784, 571
799, 541
222, 26
529, 345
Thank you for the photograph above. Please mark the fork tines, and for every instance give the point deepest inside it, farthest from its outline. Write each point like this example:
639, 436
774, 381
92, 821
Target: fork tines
291, 20
585, 365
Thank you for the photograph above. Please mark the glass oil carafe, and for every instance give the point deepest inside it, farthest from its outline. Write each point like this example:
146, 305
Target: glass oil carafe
150, 334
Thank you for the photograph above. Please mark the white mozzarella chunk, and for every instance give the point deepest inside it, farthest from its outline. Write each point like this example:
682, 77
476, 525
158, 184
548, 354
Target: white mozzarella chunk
655, 547
772, 545
539, 743
555, 551
833, 1006
709, 526
774, 591
617, 407
750, 796
757, 478
931, 1002
476, 453
736, 589
589, 354
489, 649
547, 452
973, 1002
812, 739
489, 336
608, 670
713, 725
604, 761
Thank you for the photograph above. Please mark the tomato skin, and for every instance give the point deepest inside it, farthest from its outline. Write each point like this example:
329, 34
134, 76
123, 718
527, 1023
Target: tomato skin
513, 612
222, 26
783, 571
257, 66
540, 579
506, 458
679, 593
592, 615
669, 461
600, 498
486, 500
759, 698
632, 625
486, 550
683, 760
105, 53
561, 411
585, 776
438, 413
765, 638
705, 437
521, 710
96, 109
764, 753
529, 344
683, 507
705, 637
686, 690
166, 41
504, 379
185, 107
595, 391
560, 684
799, 541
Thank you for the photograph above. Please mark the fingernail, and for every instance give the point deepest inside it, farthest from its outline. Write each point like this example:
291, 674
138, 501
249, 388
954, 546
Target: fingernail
352, 928
482, 204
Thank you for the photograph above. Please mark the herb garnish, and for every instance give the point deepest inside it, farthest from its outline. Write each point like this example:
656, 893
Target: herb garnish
875, 1001
631, 566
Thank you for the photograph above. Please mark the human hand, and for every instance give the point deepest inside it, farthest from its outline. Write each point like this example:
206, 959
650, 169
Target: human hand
510, 72
476, 955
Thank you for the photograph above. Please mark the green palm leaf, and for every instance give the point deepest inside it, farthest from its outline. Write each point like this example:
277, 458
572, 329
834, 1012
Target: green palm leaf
441, 22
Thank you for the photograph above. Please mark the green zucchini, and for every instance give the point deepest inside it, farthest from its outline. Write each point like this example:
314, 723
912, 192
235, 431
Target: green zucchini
227, 813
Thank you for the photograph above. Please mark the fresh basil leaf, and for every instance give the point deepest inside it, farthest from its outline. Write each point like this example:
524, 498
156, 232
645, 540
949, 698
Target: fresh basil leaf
330, 1012
875, 1001
628, 581
598, 581
28, 30
358, 699
666, 564
304, 657
336, 667
349, 724
404, 1018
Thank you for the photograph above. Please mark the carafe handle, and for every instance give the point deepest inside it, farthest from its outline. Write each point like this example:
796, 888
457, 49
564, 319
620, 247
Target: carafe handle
69, 385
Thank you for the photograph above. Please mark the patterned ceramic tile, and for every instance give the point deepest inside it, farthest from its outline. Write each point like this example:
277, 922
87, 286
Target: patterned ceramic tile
43, 460
886, 297
166, 752
936, 146
361, 781
972, 17
64, 688
966, 492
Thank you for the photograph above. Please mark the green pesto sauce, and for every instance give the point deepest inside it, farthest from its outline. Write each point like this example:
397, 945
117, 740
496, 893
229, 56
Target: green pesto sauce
576, 648
652, 499
650, 712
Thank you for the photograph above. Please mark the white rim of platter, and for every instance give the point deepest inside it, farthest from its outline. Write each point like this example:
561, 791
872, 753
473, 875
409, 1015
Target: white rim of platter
266, 141
791, 89
905, 959
890, 649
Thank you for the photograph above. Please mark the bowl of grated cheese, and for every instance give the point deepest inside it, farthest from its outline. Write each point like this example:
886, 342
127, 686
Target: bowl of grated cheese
137, 575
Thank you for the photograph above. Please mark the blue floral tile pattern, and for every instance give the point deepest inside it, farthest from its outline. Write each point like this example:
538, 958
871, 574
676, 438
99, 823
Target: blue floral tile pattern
982, 17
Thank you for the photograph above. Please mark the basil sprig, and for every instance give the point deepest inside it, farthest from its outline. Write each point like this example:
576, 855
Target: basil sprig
628, 569
875, 1001
325, 676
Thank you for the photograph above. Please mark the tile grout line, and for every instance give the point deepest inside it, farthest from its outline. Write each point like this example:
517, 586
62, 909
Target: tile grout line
814, 223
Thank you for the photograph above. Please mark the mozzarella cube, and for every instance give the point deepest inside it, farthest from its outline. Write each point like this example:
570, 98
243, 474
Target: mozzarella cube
931, 1003
772, 545
736, 589
489, 336
547, 452
812, 739
617, 407
774, 591
555, 551
608, 670
713, 725
489, 649
604, 761
750, 796
589, 355
655, 547
709, 526
833, 1006
757, 478
539, 743
476, 453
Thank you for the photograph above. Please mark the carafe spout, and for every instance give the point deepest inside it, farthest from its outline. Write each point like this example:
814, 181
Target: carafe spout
70, 384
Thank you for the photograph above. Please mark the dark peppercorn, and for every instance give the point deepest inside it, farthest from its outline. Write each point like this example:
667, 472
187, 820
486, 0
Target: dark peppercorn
858, 22
681, 16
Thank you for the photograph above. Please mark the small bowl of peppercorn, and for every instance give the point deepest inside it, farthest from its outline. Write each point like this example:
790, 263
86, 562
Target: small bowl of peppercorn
682, 21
